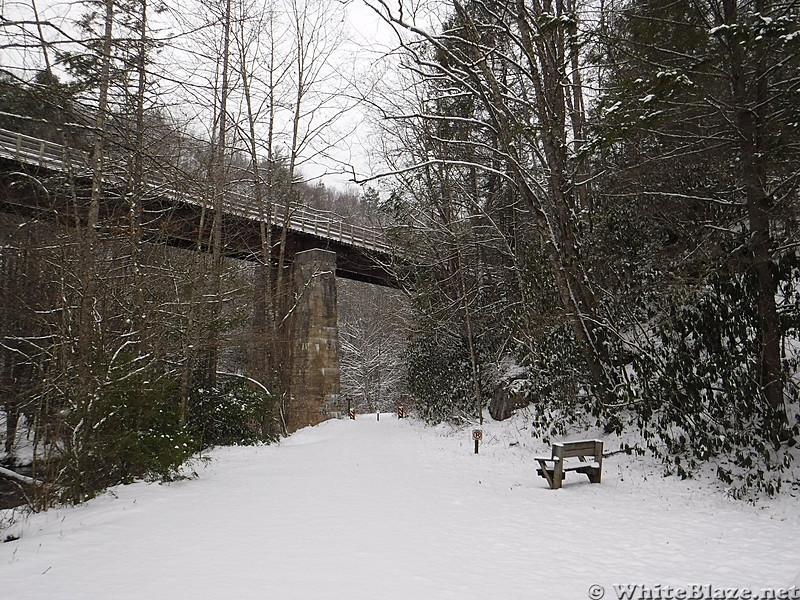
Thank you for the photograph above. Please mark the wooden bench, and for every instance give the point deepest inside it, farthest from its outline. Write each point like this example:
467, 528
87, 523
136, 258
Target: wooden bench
554, 467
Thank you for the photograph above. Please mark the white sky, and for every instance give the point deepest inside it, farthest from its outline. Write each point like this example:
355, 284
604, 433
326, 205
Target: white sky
371, 40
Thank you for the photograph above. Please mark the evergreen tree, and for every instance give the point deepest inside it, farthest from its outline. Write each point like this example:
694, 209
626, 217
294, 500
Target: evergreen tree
700, 125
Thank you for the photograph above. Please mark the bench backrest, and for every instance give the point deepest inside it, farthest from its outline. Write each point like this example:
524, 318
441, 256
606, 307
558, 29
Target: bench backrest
582, 448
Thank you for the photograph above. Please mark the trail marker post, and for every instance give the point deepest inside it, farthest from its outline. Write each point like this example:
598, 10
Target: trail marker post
352, 414
477, 435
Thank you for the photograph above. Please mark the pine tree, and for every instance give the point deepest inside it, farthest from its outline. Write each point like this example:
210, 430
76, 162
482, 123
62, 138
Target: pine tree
699, 121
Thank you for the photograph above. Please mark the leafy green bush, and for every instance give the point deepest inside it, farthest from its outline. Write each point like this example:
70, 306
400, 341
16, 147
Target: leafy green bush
556, 382
129, 429
698, 397
232, 413
440, 377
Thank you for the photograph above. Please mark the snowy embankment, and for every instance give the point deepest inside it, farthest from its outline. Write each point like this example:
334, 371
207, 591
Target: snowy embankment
393, 509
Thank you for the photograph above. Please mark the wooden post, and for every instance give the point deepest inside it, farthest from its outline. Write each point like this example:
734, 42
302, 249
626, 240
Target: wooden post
477, 435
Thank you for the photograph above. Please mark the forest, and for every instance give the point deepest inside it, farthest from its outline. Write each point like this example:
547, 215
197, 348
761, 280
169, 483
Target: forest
594, 210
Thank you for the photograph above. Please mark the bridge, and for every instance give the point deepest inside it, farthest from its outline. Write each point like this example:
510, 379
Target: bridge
319, 247
362, 252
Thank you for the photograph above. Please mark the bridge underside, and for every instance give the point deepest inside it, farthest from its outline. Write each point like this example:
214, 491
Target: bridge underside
180, 224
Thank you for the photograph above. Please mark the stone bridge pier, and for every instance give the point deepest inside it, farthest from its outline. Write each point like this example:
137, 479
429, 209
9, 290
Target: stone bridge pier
313, 341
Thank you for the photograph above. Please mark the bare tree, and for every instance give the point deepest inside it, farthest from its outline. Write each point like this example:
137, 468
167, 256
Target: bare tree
373, 327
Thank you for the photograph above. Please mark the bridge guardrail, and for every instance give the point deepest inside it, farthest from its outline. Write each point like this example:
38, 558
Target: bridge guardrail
43, 153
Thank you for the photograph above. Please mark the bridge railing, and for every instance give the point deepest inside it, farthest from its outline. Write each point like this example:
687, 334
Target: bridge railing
29, 150
34, 151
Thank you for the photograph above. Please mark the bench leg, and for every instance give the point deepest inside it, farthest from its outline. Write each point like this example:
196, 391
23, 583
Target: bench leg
558, 475
592, 473
595, 474
547, 474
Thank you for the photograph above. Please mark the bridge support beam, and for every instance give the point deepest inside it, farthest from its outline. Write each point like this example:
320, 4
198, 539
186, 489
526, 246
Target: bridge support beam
314, 382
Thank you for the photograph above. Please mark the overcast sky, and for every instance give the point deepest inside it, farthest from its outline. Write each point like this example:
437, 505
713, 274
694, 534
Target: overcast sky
366, 39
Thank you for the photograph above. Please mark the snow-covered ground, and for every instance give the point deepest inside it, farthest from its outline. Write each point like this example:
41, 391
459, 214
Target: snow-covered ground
397, 510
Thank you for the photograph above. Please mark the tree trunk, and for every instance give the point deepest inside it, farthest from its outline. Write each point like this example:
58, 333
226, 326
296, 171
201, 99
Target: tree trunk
750, 97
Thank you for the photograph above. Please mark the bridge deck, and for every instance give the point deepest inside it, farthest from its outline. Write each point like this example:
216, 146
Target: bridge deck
321, 224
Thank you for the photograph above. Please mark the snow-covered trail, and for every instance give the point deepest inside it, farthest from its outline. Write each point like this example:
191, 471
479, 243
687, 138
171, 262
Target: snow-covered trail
392, 509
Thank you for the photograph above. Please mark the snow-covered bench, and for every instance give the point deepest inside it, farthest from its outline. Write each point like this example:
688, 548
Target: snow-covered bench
554, 467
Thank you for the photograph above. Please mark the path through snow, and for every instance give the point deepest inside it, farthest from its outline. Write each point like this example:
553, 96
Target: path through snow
395, 510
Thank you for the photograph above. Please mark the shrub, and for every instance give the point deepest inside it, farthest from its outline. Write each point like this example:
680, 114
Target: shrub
129, 429
232, 413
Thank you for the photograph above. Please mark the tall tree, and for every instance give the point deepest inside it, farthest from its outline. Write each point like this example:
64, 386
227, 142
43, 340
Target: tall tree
519, 64
705, 90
